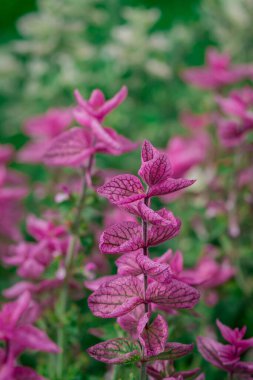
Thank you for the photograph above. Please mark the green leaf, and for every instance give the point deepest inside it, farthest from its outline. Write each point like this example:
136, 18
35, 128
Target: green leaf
116, 351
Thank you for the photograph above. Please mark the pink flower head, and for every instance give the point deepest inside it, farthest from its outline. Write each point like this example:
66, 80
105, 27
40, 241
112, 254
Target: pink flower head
91, 114
239, 117
217, 73
142, 284
75, 146
42, 130
31, 258
96, 107
16, 319
158, 369
6, 152
187, 152
227, 356
127, 236
48, 125
124, 190
195, 122
46, 231
19, 334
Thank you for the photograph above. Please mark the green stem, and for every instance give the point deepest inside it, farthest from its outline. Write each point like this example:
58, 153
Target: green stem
144, 375
63, 299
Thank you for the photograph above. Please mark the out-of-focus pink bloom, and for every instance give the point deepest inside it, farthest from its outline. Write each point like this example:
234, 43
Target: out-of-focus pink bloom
245, 177
217, 72
91, 114
47, 232
74, 147
6, 151
34, 288
19, 334
157, 370
227, 357
31, 258
239, 117
113, 216
48, 125
207, 275
96, 106
42, 129
195, 122
187, 152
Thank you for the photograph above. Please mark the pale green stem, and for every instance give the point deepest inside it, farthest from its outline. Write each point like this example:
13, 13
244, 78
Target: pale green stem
144, 375
63, 299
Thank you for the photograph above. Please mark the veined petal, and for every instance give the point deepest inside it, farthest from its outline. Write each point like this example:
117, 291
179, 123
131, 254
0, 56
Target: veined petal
170, 185
148, 152
113, 103
122, 189
175, 294
121, 238
173, 351
71, 148
154, 336
156, 170
127, 264
117, 297
34, 339
209, 349
116, 351
154, 217
160, 234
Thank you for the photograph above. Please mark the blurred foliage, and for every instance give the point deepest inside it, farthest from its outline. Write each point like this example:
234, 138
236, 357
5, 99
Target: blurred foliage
63, 44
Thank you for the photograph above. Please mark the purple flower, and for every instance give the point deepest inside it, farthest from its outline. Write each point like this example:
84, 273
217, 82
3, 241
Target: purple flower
187, 152
124, 190
141, 284
239, 117
217, 73
42, 130
227, 356
76, 145
19, 334
96, 106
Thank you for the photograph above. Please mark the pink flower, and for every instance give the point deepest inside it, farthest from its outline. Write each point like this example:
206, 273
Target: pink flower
42, 129
96, 106
141, 284
124, 190
6, 152
75, 146
239, 117
195, 122
19, 334
217, 73
187, 152
227, 356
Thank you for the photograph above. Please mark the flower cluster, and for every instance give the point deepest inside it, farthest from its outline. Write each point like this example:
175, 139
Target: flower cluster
228, 356
74, 147
18, 334
142, 285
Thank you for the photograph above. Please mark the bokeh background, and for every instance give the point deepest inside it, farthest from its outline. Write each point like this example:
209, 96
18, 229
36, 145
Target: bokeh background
50, 47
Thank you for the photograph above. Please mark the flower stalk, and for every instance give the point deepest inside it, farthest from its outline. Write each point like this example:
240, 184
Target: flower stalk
63, 301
